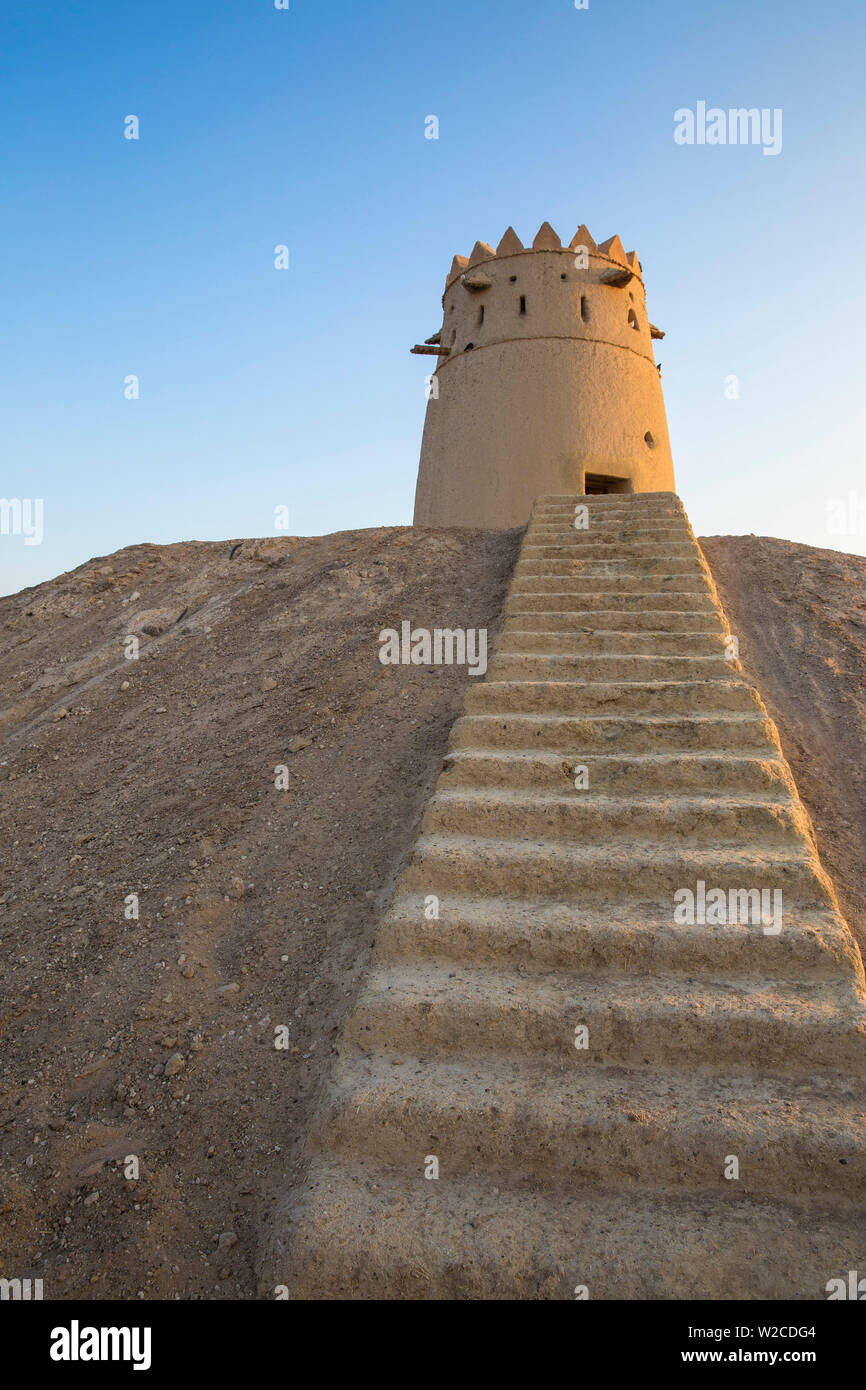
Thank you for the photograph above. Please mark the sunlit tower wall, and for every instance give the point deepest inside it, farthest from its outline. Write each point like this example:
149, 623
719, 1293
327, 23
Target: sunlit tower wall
546, 382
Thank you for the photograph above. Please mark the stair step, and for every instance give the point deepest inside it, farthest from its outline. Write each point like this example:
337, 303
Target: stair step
580, 1125
457, 1011
576, 547
366, 1231
629, 516
641, 774
663, 567
594, 666
627, 504
610, 536
610, 642
547, 868
609, 523
521, 615
575, 697
634, 594
593, 818
573, 736
634, 935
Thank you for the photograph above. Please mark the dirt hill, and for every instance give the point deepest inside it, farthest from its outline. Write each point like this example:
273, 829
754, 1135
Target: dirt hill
154, 1037
800, 615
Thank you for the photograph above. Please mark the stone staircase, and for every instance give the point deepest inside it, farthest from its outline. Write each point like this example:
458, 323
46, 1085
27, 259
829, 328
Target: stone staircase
598, 1167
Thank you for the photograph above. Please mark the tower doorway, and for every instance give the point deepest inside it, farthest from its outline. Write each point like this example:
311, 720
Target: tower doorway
595, 483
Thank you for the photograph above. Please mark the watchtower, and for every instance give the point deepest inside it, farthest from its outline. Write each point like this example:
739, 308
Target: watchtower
546, 382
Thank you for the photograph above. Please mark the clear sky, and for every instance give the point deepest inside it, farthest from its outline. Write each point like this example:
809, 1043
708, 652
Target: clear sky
262, 388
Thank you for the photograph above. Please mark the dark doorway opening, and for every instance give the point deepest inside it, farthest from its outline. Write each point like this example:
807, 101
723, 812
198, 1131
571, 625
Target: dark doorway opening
594, 483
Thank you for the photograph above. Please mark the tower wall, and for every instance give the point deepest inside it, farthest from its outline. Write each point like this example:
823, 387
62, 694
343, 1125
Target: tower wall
549, 376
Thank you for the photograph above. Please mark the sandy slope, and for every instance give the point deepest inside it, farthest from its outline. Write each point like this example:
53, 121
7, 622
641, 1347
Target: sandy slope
800, 614
166, 789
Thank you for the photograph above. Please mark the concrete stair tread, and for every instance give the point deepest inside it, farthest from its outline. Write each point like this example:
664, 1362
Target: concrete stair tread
547, 867
559, 624
580, 594
663, 568
634, 666
640, 662
565, 993
455, 1010
685, 774
614, 805
510, 628
512, 694
646, 761
759, 860
661, 556
733, 718
580, 1125
529, 1084
664, 804
613, 535
635, 934
584, 734
588, 817
615, 687
610, 533
370, 1232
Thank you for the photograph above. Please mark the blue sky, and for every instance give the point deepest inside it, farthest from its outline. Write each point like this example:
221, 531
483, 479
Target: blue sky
258, 127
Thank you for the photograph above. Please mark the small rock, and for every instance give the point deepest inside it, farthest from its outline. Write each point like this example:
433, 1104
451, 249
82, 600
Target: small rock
268, 684
175, 1064
227, 1240
299, 742
233, 988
